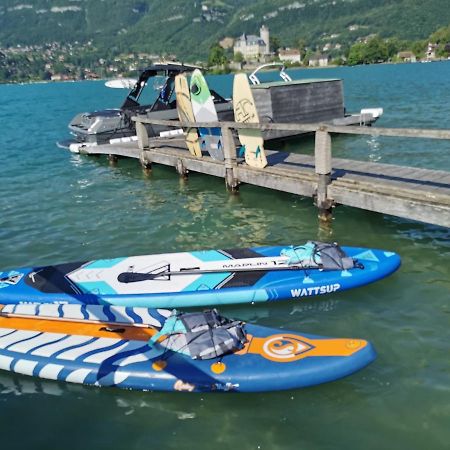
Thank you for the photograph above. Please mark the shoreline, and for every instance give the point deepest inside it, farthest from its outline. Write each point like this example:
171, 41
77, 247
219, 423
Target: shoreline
212, 73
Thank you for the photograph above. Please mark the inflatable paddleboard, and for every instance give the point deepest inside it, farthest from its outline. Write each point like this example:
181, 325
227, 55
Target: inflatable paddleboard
109, 346
186, 114
205, 111
198, 278
245, 112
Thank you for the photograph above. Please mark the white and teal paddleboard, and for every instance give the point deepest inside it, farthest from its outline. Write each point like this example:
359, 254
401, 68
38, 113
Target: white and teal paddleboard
189, 279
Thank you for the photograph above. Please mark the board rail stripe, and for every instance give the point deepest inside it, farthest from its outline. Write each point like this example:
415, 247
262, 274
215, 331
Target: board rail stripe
129, 315
78, 328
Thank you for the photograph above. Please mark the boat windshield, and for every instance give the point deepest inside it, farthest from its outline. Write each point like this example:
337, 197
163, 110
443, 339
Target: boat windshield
155, 89
155, 85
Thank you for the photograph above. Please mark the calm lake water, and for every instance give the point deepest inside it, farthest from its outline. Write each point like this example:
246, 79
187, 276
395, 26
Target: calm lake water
59, 207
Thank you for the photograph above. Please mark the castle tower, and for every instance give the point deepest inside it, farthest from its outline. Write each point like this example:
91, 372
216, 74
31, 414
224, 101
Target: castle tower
264, 34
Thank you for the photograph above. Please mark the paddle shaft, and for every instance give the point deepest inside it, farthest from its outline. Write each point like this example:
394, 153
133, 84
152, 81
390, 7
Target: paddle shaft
133, 277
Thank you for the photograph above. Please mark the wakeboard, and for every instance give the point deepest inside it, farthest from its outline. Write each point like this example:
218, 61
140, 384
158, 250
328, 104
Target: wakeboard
245, 112
186, 114
205, 111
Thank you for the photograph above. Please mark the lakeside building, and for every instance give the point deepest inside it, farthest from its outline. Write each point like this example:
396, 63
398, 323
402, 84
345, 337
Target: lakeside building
318, 61
226, 43
253, 47
407, 56
291, 55
431, 51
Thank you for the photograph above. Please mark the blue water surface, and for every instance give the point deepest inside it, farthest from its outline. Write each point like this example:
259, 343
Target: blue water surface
58, 207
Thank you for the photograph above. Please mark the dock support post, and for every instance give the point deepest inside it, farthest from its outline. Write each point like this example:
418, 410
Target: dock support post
113, 159
322, 154
231, 181
144, 147
145, 162
182, 171
142, 135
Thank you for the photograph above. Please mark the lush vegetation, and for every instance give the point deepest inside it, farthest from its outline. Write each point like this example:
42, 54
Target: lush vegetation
71, 37
191, 27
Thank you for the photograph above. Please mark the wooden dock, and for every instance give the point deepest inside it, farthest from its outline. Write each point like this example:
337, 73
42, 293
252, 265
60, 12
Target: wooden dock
418, 194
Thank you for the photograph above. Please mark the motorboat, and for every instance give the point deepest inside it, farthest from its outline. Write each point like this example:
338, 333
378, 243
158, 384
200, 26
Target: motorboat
111, 125
152, 95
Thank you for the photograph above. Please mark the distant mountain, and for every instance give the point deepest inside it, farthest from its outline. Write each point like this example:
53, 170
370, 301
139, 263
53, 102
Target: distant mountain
188, 28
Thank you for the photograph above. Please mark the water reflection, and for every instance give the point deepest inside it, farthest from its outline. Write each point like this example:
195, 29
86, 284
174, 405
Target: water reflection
375, 154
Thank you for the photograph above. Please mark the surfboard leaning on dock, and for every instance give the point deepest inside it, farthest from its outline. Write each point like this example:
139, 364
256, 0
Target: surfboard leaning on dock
186, 114
245, 112
205, 111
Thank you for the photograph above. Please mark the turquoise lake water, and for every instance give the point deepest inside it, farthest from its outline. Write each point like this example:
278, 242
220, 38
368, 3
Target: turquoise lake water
59, 207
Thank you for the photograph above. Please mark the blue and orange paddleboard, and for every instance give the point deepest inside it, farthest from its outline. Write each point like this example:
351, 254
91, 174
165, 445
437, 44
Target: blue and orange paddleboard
108, 346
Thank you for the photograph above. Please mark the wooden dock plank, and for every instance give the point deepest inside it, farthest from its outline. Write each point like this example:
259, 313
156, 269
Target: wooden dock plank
387, 204
409, 192
399, 182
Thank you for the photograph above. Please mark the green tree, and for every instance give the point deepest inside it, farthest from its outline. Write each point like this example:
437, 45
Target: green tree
217, 56
307, 56
301, 45
338, 61
274, 43
356, 54
376, 50
393, 46
238, 57
373, 51
441, 36
418, 48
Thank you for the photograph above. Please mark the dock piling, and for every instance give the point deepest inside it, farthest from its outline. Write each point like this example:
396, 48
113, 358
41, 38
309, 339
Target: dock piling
113, 159
145, 162
322, 158
181, 169
231, 180
142, 135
